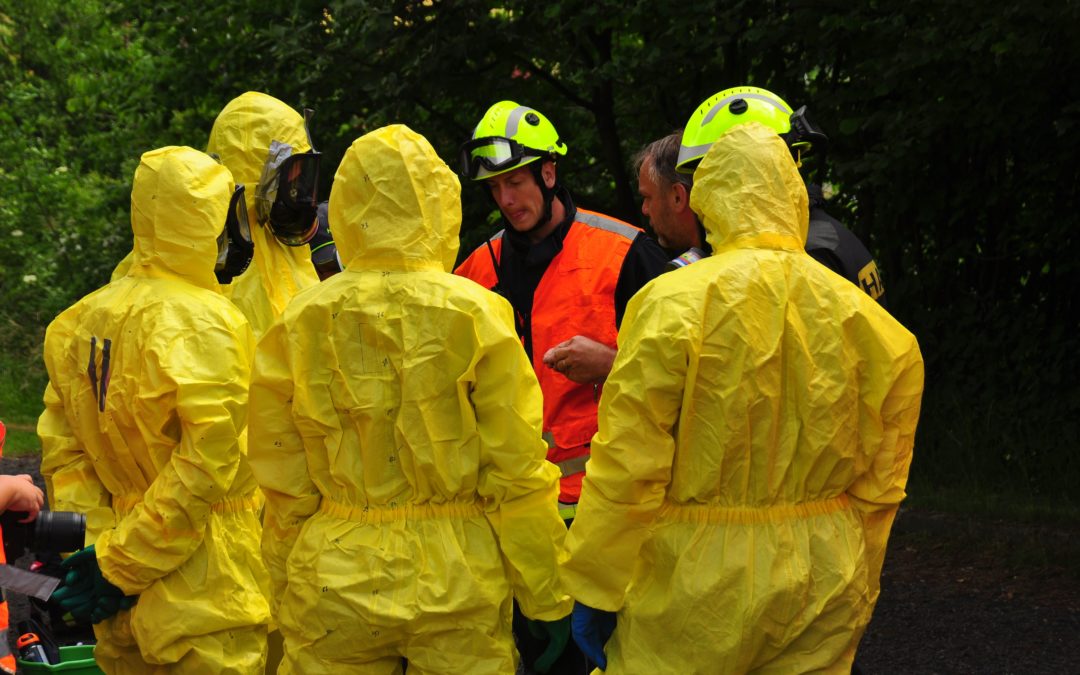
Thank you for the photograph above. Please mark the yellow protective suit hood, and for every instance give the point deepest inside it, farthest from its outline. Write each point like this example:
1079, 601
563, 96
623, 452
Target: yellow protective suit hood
241, 137
393, 178
142, 431
754, 440
179, 201
396, 432
753, 197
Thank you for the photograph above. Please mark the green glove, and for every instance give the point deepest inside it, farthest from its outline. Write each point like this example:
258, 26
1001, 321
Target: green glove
110, 601
76, 594
558, 634
86, 594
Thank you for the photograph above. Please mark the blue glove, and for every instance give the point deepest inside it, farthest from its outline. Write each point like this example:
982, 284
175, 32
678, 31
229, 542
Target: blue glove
592, 629
85, 593
557, 633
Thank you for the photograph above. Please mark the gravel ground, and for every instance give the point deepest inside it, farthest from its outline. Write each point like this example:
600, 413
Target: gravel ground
975, 596
959, 595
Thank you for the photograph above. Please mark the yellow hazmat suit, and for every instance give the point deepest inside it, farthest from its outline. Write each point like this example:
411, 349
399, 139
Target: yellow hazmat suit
241, 137
145, 406
755, 437
396, 432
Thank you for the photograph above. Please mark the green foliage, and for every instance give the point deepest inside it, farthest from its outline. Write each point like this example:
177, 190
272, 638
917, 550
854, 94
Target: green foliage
952, 154
953, 129
21, 441
64, 218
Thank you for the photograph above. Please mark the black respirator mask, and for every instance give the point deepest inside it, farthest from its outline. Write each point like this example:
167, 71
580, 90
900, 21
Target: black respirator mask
234, 243
286, 199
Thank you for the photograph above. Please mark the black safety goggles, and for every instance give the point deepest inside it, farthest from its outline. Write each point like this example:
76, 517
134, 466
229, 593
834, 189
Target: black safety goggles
493, 153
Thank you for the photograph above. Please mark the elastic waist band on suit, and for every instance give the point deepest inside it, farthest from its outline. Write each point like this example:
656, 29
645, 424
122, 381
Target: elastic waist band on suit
373, 515
125, 504
750, 515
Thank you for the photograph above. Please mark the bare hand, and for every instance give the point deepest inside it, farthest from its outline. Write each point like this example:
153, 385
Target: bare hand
581, 360
22, 495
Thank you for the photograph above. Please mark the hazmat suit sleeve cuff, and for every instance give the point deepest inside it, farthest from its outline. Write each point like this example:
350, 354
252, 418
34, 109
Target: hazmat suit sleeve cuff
531, 536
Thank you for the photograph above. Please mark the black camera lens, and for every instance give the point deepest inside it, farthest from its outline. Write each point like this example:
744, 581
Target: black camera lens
59, 531
53, 531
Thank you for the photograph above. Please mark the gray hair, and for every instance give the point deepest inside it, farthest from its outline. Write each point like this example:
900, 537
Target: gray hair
659, 159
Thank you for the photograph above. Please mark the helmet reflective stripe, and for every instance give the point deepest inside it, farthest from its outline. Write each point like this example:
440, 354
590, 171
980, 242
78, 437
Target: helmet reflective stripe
514, 118
719, 105
512, 121
687, 153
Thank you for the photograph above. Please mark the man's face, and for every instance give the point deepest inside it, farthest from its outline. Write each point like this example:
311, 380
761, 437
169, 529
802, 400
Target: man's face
519, 197
657, 204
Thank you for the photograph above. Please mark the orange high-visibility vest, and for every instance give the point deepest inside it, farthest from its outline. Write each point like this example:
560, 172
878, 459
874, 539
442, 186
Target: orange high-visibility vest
575, 296
7, 659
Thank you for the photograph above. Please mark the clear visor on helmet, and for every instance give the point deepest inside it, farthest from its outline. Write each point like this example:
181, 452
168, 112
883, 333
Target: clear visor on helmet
492, 154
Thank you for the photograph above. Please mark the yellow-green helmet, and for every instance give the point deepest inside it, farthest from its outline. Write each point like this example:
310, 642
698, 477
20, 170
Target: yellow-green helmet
739, 105
508, 136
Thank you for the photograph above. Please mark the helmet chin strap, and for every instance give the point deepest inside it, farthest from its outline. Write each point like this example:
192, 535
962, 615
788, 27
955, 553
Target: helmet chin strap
548, 193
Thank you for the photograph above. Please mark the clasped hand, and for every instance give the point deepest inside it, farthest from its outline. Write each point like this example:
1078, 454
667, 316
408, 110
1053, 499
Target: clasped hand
86, 594
581, 359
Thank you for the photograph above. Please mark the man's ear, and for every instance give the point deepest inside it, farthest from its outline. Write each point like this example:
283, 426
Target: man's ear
681, 196
549, 173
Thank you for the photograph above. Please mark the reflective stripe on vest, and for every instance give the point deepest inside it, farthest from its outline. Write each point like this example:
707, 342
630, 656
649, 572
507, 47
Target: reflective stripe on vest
603, 222
567, 511
572, 466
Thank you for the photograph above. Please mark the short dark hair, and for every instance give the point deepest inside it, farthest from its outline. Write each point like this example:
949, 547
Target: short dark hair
661, 156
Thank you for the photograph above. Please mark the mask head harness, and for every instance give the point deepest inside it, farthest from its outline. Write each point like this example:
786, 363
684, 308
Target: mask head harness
287, 197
